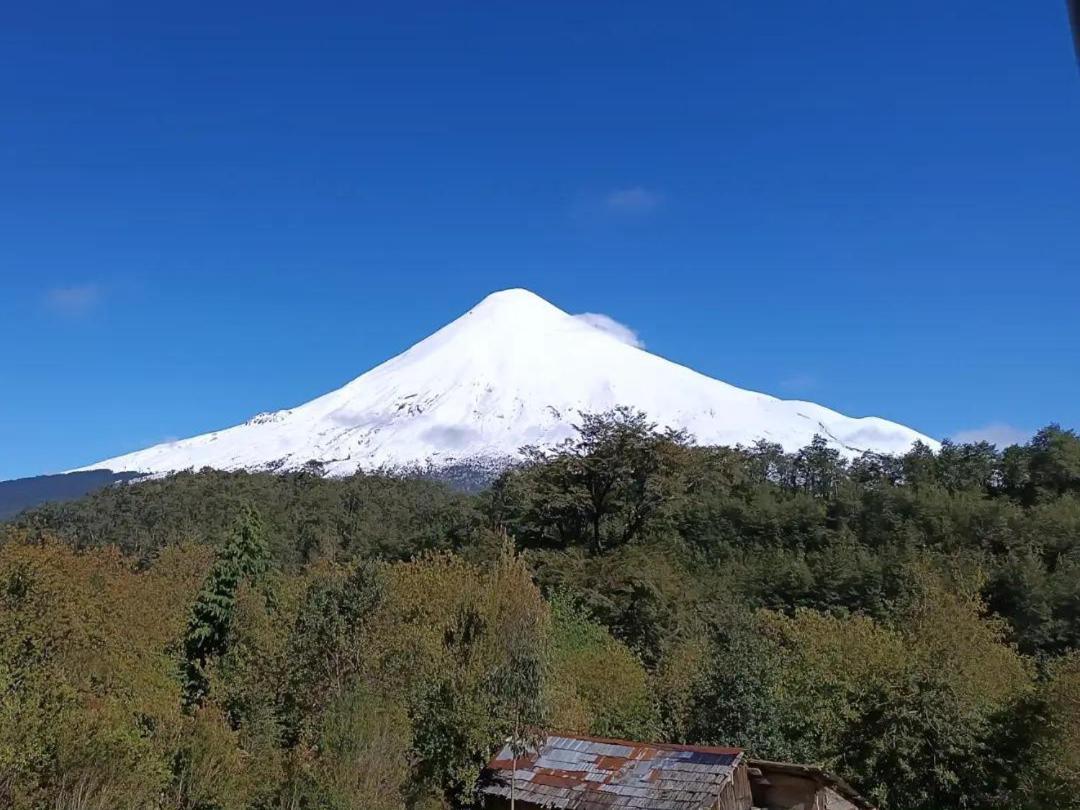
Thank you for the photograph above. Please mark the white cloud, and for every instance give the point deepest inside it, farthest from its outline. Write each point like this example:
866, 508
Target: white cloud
997, 433
619, 331
800, 381
634, 200
77, 299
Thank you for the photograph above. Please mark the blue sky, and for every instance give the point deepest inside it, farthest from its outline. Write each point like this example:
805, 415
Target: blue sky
212, 210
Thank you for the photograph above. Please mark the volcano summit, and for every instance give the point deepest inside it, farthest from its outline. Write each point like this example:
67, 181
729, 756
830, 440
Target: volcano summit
514, 370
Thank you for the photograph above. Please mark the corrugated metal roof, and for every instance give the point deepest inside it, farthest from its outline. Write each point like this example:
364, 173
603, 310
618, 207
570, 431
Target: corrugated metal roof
590, 773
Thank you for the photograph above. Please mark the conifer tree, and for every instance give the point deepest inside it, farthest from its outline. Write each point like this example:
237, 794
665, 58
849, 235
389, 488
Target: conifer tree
243, 559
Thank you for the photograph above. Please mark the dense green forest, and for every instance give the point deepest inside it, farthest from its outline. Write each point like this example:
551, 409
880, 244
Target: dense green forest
222, 641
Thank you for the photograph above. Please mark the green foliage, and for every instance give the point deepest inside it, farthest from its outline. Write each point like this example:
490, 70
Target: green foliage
603, 689
88, 695
325, 651
219, 641
243, 559
724, 693
615, 482
305, 517
517, 683
210, 769
363, 754
1053, 463
915, 713
470, 645
1052, 776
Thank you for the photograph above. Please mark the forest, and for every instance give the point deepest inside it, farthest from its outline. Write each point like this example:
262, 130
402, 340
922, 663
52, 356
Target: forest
243, 641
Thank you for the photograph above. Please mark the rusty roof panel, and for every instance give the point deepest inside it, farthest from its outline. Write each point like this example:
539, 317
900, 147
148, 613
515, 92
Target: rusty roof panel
571, 772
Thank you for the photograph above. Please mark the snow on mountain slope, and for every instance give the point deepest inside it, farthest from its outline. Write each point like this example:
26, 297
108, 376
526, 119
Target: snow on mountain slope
513, 370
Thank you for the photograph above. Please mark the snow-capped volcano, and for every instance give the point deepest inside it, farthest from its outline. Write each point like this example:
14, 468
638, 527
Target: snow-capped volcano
514, 370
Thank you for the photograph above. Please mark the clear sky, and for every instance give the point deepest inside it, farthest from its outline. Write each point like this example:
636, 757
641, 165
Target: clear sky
216, 209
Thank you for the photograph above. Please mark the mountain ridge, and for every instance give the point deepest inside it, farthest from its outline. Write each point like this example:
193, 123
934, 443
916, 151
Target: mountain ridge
512, 371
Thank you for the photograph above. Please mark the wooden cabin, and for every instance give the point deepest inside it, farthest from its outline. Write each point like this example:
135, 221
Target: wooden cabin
786, 786
575, 772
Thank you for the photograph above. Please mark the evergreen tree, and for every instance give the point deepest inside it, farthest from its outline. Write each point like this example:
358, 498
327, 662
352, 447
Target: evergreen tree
243, 559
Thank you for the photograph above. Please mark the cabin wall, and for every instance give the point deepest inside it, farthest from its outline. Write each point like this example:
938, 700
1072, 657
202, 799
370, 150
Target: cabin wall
834, 801
736, 795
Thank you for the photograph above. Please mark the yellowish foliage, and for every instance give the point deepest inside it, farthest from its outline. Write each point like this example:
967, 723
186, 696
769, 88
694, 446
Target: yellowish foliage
602, 686
952, 633
89, 707
675, 682
1054, 779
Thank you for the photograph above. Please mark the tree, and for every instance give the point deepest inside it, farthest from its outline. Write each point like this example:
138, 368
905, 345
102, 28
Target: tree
602, 489
910, 622
517, 684
973, 466
601, 687
729, 698
327, 647
1054, 461
89, 703
920, 466
362, 760
243, 559
1052, 778
819, 468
